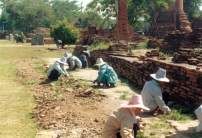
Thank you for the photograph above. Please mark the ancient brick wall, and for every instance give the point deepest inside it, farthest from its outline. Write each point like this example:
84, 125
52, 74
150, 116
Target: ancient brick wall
185, 86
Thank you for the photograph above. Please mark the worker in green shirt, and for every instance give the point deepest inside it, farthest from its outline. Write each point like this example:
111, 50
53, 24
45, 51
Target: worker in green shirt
107, 77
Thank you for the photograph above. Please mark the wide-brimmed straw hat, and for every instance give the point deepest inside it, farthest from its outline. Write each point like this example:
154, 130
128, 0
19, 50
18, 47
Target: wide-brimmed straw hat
62, 61
100, 62
135, 102
160, 75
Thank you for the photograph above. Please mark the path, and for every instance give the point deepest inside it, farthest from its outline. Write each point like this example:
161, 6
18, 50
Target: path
119, 94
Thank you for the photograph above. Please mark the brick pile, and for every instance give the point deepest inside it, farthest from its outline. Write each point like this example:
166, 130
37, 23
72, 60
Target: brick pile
153, 53
93, 34
188, 56
186, 82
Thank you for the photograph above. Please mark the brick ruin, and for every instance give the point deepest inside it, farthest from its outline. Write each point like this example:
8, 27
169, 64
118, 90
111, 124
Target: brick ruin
186, 81
186, 78
92, 33
122, 31
167, 21
40, 36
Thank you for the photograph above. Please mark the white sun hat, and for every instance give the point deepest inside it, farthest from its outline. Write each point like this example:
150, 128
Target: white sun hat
198, 113
100, 62
62, 60
67, 55
160, 75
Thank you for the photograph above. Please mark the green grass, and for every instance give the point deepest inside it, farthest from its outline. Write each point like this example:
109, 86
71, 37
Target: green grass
16, 100
179, 113
99, 46
141, 45
16, 105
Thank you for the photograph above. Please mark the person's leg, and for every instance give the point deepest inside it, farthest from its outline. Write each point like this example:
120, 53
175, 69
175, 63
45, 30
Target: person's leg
54, 75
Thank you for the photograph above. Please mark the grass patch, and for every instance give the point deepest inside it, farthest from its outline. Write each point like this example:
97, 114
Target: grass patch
99, 46
17, 101
141, 135
16, 104
141, 45
179, 113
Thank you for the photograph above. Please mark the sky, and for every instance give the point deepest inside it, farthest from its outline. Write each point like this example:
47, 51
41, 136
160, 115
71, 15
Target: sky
85, 2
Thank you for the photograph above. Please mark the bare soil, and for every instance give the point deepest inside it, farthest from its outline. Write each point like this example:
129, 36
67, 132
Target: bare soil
70, 105
73, 108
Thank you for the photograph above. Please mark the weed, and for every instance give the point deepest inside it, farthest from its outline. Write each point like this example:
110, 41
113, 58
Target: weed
179, 113
141, 135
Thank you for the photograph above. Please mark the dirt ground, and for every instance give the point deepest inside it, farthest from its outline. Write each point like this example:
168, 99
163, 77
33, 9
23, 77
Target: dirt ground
74, 108
70, 105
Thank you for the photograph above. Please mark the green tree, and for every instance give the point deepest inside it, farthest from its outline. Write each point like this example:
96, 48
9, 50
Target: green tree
65, 31
139, 11
192, 8
26, 15
65, 9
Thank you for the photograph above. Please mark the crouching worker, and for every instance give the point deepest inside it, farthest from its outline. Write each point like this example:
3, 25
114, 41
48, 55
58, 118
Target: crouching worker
84, 57
152, 93
57, 69
73, 61
124, 122
106, 75
198, 113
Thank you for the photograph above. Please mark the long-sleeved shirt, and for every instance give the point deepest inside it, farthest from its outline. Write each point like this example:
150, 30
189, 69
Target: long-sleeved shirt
152, 96
107, 74
121, 121
57, 67
73, 62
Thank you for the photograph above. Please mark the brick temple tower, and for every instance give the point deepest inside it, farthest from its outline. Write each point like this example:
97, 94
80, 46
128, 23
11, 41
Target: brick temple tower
123, 31
170, 20
183, 23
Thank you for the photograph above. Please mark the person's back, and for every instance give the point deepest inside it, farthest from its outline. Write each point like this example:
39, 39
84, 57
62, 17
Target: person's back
75, 62
111, 75
150, 90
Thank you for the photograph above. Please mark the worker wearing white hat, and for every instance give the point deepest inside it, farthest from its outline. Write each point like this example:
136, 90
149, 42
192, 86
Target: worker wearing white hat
57, 69
106, 75
152, 93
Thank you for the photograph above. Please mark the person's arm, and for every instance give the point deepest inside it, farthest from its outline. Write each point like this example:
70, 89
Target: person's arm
60, 69
159, 100
101, 74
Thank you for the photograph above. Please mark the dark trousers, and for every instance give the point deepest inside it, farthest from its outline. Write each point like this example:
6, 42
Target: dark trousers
54, 75
136, 127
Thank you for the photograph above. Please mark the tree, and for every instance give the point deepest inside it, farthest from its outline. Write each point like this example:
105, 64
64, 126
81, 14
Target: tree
192, 8
65, 9
26, 15
139, 11
64, 31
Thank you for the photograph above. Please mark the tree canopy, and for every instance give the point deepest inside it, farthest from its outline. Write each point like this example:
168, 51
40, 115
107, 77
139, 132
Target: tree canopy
26, 15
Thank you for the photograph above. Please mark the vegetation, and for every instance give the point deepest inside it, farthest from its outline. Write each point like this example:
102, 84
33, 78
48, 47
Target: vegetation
99, 46
26, 15
64, 31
